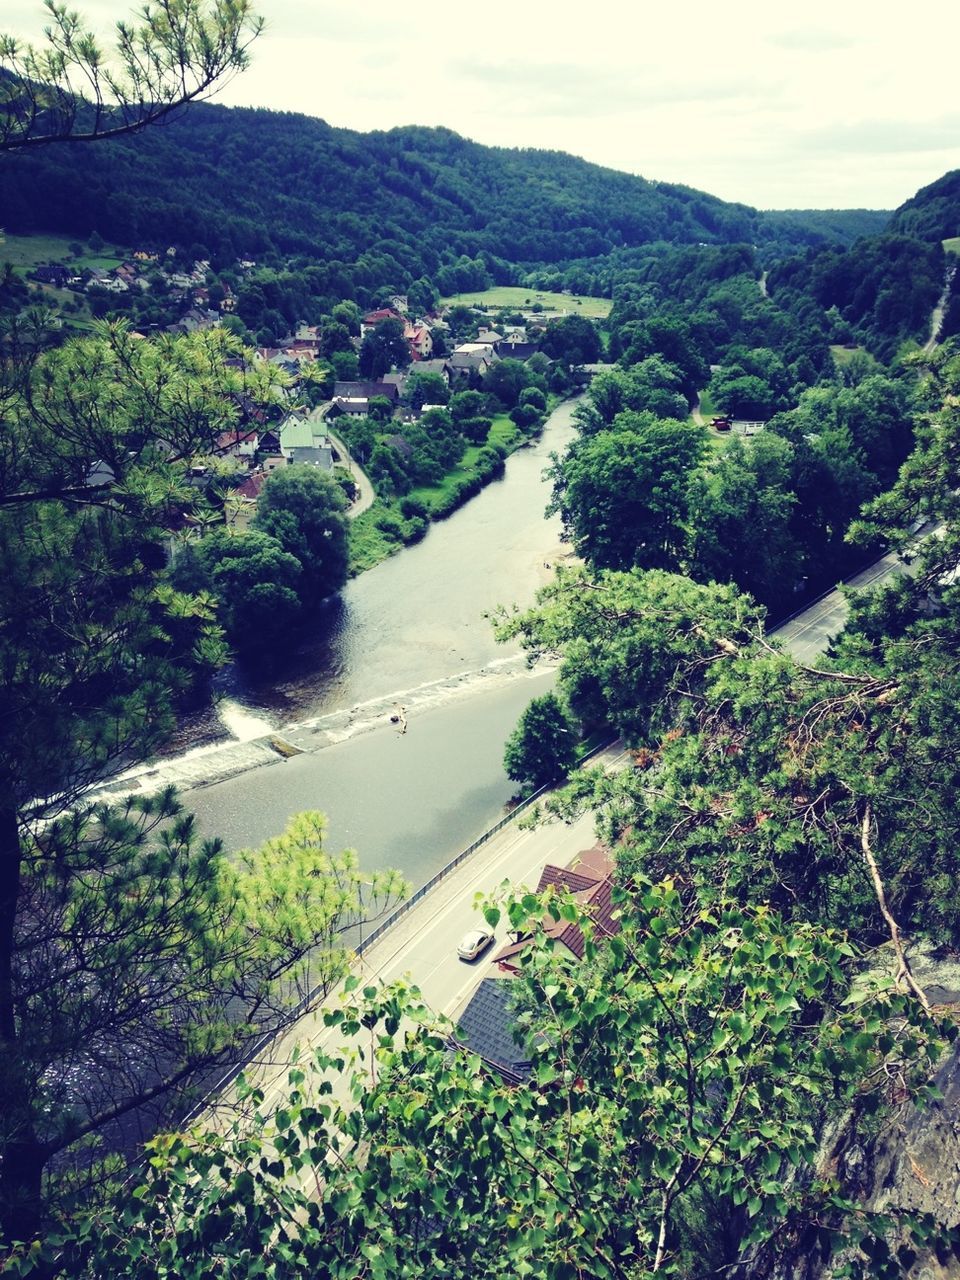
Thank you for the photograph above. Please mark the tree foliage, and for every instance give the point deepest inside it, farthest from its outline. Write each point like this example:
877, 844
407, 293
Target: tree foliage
254, 581
542, 748
142, 959
684, 1063
303, 509
622, 493
178, 51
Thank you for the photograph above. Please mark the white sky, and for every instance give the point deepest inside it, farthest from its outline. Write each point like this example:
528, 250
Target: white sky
809, 104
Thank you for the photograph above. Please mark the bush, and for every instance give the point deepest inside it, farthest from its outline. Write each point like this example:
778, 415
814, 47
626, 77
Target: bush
412, 508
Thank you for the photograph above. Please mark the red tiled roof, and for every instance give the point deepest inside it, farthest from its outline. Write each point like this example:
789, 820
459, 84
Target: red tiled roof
251, 487
229, 439
374, 317
592, 886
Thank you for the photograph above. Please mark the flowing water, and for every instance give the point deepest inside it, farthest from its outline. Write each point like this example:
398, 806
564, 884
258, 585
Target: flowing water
409, 634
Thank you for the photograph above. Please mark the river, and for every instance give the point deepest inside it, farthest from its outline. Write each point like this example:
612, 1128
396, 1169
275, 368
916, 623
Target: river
412, 631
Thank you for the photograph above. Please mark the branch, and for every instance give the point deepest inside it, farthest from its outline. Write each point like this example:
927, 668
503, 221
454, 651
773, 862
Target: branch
904, 971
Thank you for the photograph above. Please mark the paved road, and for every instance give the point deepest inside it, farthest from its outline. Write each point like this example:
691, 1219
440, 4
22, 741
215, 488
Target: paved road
367, 495
808, 634
936, 320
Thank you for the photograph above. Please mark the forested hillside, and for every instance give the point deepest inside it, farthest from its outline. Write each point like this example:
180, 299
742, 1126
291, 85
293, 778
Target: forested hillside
934, 212
412, 201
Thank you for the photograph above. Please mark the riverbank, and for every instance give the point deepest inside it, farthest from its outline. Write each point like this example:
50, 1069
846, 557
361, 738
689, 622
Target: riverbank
385, 527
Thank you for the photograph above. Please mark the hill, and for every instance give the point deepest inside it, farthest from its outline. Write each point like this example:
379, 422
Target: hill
404, 204
933, 213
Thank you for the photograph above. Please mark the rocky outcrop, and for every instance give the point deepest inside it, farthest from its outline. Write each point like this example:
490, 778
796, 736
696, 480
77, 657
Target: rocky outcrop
908, 1163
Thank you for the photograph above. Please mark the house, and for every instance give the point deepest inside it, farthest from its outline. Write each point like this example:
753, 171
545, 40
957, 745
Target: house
418, 339
399, 303
51, 273
518, 351
366, 391
194, 320
238, 443
305, 441
269, 442
490, 337
442, 368
304, 350
485, 1026
590, 881
470, 366
241, 505
373, 318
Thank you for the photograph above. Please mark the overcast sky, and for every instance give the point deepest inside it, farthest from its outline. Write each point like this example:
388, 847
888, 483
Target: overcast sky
810, 104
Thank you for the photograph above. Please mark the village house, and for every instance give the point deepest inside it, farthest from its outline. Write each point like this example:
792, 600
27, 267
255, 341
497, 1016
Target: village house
442, 368
354, 397
51, 273
418, 339
238, 443
485, 1026
241, 505
467, 366
303, 440
373, 318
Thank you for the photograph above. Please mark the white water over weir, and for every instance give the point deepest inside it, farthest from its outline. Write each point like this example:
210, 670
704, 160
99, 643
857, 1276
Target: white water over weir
241, 723
257, 743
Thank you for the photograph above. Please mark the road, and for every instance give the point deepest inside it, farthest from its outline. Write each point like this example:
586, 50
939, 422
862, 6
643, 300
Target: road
936, 320
808, 634
367, 496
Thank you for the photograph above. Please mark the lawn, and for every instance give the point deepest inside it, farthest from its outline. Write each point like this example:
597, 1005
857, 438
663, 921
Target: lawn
952, 245
842, 354
25, 252
515, 298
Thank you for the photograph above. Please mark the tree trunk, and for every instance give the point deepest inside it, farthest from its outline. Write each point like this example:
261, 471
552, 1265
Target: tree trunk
22, 1156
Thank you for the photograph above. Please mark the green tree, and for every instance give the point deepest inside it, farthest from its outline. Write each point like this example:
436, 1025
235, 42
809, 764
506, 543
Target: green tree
303, 509
179, 51
256, 584
94, 649
383, 349
469, 412
740, 511
572, 340
543, 747
345, 365
507, 379
684, 1065
144, 958
622, 493
425, 388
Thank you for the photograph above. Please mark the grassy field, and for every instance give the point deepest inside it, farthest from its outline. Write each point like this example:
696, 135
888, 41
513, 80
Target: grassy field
514, 298
952, 245
843, 355
25, 252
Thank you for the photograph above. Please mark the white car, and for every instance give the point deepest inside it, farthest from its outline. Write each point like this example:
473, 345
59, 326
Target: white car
474, 943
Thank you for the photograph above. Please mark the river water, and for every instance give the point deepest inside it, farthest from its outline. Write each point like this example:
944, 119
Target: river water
411, 631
